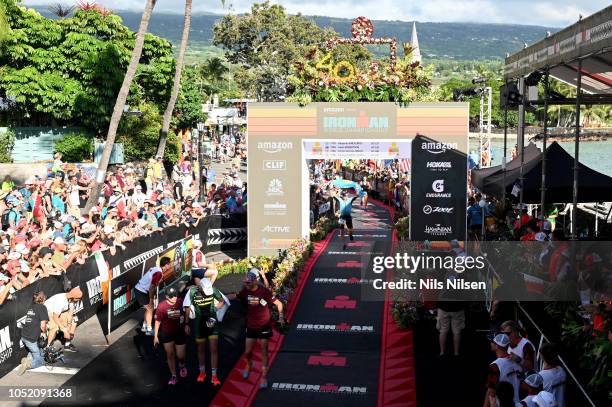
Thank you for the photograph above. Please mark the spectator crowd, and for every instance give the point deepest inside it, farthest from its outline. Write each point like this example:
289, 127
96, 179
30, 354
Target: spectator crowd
45, 228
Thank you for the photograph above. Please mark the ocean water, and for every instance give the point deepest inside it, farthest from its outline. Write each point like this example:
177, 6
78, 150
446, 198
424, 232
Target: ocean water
594, 154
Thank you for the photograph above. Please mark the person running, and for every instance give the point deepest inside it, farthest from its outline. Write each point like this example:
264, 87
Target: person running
205, 301
169, 332
365, 189
259, 321
345, 207
146, 291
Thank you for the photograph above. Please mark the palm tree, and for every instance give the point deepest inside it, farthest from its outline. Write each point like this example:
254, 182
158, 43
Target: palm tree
120, 104
215, 70
61, 10
176, 86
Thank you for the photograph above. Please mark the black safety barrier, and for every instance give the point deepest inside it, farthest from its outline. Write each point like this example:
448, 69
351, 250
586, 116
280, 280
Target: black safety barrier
217, 232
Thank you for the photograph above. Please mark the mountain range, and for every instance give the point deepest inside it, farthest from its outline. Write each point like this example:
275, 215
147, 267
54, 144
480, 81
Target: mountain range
460, 41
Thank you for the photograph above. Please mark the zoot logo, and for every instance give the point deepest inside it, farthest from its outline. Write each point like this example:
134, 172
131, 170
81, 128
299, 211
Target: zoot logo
428, 209
6, 344
438, 230
275, 188
435, 147
438, 187
273, 147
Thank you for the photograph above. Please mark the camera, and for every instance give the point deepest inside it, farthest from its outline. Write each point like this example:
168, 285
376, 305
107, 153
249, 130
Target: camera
52, 355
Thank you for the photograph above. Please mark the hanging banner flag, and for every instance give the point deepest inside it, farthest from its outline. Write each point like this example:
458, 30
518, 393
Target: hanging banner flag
438, 191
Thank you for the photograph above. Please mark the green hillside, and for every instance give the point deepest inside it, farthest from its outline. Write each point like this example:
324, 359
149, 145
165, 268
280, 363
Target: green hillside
461, 41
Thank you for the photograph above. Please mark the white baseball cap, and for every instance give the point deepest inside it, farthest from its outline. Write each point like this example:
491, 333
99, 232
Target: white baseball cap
59, 240
206, 286
534, 380
501, 340
545, 399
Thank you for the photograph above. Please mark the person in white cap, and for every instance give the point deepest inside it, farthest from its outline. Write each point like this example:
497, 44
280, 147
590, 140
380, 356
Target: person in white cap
502, 369
200, 267
62, 316
206, 300
552, 374
545, 399
521, 350
533, 385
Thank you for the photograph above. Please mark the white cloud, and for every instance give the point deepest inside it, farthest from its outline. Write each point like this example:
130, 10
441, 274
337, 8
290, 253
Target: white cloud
557, 13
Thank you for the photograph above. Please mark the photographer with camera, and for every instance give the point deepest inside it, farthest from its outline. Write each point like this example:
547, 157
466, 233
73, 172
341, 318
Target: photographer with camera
62, 317
205, 301
34, 327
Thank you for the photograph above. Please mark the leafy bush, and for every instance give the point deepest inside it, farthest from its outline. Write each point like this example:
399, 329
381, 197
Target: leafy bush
7, 142
322, 227
403, 228
140, 135
75, 147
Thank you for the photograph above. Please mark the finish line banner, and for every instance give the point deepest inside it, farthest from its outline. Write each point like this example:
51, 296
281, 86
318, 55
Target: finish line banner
283, 136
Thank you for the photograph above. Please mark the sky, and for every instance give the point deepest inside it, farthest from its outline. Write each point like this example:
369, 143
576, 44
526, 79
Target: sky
549, 13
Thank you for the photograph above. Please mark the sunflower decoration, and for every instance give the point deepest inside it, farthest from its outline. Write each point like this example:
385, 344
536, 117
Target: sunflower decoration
344, 71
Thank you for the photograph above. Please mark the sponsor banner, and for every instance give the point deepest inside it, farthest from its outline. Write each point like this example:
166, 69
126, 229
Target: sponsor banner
12, 312
438, 191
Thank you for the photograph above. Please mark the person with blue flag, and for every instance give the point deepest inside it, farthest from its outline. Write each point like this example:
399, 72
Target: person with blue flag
345, 208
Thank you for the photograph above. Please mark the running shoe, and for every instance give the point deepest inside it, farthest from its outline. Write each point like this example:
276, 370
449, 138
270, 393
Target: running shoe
201, 377
183, 372
245, 374
263, 384
70, 348
215, 380
172, 381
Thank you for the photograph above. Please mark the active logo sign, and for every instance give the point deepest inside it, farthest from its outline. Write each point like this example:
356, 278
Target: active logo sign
276, 229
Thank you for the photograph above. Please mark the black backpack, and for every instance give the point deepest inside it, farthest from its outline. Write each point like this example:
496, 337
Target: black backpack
5, 219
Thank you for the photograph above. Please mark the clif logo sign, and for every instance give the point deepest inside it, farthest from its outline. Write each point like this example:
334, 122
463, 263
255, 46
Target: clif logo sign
356, 124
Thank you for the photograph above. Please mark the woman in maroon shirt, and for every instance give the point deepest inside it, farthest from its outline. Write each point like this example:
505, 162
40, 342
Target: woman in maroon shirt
169, 331
259, 324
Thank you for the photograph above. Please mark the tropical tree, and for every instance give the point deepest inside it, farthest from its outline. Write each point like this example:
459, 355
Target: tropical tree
61, 10
4, 26
214, 69
177, 81
120, 104
69, 71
